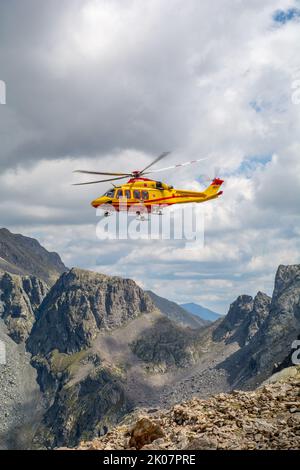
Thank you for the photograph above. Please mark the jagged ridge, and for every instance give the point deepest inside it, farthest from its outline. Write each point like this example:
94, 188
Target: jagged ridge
81, 304
25, 256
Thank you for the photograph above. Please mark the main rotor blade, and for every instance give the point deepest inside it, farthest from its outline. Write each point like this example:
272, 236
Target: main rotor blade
101, 173
101, 181
177, 166
160, 157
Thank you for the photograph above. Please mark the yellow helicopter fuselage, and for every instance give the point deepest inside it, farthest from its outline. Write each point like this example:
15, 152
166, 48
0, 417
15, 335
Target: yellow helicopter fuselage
152, 193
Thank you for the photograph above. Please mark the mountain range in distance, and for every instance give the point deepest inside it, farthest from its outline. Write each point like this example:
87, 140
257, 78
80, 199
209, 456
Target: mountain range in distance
200, 311
177, 313
189, 314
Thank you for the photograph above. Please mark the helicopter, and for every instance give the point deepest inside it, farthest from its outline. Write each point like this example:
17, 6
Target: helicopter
143, 194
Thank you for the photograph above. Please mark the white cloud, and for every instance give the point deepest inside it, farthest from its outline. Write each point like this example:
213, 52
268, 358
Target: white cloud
109, 85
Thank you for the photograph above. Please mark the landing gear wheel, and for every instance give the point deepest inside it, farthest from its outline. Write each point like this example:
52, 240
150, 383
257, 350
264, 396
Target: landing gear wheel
140, 216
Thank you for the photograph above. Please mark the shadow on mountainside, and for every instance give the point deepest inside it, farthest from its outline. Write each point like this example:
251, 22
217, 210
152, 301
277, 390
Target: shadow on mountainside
19, 434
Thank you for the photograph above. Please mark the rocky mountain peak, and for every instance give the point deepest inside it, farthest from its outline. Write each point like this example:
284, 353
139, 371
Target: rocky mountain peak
245, 317
241, 307
286, 277
239, 310
258, 315
79, 305
273, 340
25, 256
261, 307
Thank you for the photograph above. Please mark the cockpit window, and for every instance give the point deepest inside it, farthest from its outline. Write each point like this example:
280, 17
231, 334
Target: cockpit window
110, 193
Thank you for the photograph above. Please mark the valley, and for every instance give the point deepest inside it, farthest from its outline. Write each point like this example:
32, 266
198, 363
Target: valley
87, 350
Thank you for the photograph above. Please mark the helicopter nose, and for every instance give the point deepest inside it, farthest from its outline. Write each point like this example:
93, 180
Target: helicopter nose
95, 203
99, 201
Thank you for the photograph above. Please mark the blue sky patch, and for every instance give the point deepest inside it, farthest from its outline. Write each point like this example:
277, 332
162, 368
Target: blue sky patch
284, 16
256, 106
251, 163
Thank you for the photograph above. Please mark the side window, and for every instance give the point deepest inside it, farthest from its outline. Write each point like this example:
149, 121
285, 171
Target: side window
119, 193
127, 194
145, 195
137, 194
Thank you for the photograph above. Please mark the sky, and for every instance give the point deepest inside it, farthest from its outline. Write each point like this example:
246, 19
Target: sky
109, 85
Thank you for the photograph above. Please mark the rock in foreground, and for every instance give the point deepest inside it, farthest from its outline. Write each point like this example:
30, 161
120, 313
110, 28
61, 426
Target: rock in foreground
267, 418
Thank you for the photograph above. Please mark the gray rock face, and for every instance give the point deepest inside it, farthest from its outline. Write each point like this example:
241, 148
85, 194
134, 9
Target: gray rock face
20, 297
273, 340
84, 396
286, 281
25, 256
81, 304
238, 311
283, 323
166, 345
245, 317
20, 397
260, 312
84, 409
